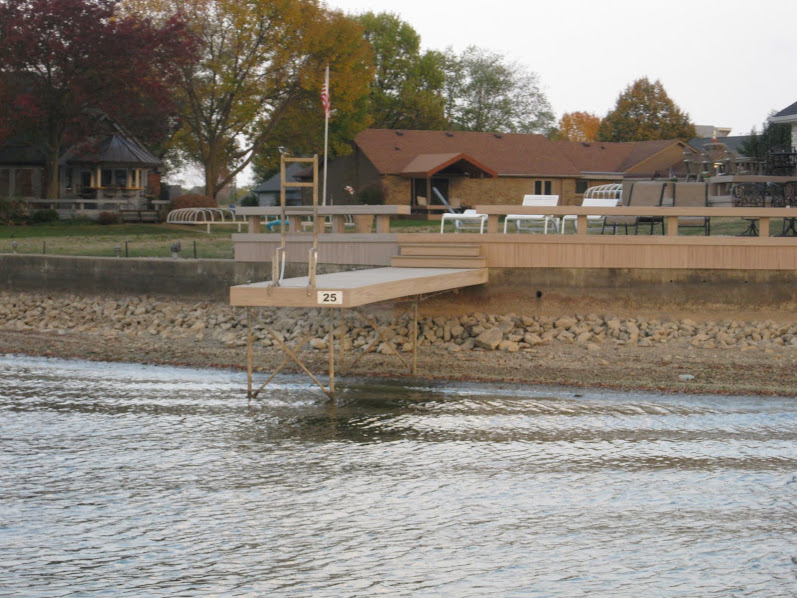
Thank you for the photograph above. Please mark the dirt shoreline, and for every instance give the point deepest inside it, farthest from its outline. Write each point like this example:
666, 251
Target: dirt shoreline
675, 367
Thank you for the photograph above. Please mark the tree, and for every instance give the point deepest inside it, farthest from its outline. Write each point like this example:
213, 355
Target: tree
406, 92
61, 60
645, 112
578, 126
262, 62
484, 92
301, 128
772, 136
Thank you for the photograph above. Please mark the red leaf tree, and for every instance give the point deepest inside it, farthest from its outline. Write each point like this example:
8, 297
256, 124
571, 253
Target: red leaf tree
61, 60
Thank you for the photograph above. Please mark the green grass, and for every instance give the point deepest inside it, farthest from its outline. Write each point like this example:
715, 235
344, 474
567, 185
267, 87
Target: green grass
82, 238
132, 240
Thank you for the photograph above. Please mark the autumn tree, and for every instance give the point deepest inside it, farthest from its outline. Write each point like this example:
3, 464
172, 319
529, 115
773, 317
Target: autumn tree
578, 126
407, 88
485, 92
645, 112
301, 128
61, 60
262, 62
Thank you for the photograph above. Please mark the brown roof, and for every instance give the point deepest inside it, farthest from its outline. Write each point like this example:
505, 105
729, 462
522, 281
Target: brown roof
426, 165
506, 154
407, 152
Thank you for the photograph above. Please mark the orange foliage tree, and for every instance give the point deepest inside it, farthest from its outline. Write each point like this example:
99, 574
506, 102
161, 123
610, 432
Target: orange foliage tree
578, 126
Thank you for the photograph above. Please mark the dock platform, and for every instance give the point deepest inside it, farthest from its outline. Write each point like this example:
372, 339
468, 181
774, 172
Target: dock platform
355, 288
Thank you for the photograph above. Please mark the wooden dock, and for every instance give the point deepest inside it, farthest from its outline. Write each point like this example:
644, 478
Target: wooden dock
355, 288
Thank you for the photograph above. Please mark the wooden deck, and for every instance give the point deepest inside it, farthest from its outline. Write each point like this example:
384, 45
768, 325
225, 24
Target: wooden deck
355, 288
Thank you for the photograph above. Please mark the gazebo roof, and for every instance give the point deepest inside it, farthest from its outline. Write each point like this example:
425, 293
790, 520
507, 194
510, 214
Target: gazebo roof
113, 149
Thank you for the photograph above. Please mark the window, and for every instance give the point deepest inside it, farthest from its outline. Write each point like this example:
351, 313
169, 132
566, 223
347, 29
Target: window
23, 184
120, 178
5, 183
106, 178
542, 187
581, 186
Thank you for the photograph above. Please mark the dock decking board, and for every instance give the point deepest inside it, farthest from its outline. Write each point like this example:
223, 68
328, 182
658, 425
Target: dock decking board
359, 287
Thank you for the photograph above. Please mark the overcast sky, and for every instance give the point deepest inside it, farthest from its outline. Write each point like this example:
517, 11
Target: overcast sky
726, 63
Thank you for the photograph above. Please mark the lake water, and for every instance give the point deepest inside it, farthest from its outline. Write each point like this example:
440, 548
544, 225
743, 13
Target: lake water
127, 480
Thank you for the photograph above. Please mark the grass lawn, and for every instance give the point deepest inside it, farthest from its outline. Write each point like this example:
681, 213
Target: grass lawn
133, 240
155, 240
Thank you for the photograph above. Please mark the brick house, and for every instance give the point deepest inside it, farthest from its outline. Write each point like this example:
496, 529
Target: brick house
492, 168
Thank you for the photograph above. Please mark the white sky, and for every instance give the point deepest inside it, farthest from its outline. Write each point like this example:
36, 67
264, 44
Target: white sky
727, 63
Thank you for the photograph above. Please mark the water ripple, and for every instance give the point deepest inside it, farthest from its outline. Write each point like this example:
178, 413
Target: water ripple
124, 480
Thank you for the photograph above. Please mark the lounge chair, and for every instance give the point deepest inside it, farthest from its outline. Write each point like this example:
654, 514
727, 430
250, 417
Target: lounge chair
469, 220
594, 202
641, 194
525, 222
692, 195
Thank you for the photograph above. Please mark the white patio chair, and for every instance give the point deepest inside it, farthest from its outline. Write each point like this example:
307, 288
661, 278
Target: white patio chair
525, 222
469, 220
594, 202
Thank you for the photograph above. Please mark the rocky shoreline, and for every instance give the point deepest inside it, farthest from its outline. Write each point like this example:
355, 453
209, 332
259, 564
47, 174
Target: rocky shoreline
604, 350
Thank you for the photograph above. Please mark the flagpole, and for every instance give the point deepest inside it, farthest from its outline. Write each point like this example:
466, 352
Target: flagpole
326, 135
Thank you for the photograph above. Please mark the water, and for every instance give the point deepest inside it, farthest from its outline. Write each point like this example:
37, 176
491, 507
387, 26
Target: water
124, 480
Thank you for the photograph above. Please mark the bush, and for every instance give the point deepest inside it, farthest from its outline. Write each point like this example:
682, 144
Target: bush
372, 195
193, 201
13, 210
108, 218
250, 200
43, 216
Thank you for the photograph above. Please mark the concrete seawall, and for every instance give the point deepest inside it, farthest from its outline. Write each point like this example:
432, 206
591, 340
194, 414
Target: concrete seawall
509, 289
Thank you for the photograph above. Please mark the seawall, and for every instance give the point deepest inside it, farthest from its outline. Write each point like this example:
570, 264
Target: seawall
534, 290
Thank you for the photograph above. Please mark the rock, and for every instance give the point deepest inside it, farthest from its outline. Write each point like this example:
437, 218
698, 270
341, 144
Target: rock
506, 326
509, 346
318, 343
489, 339
565, 322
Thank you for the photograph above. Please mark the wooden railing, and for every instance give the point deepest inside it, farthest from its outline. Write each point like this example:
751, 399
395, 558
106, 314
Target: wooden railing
337, 214
669, 214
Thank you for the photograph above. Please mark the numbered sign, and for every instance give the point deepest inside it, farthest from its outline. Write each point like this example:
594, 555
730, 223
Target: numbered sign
330, 297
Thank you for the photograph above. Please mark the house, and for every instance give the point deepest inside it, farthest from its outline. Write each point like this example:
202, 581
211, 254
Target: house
268, 192
788, 116
109, 170
416, 167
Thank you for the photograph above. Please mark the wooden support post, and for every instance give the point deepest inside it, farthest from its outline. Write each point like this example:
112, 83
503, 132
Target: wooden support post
342, 341
415, 337
492, 223
672, 226
332, 354
382, 223
249, 352
581, 224
763, 226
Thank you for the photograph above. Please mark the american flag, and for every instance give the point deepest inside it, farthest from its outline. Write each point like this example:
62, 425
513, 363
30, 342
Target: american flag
325, 95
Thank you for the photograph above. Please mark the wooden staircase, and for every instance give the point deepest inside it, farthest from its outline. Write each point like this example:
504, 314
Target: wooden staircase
439, 255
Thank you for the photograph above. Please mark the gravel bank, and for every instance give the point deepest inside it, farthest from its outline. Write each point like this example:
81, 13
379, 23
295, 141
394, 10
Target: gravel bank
605, 350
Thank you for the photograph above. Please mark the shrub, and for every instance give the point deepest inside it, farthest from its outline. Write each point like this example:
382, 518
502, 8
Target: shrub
108, 218
42, 216
193, 201
13, 210
372, 195
250, 200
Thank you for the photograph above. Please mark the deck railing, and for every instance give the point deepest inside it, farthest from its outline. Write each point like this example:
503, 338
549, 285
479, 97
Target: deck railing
669, 214
337, 214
